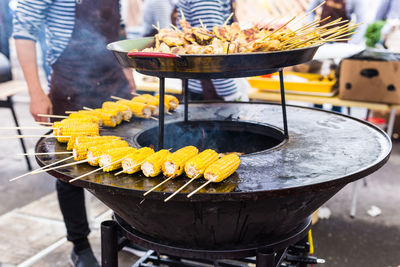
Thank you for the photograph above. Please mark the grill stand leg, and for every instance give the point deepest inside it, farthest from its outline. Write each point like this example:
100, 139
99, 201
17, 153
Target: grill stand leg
11, 106
109, 244
265, 259
186, 98
161, 114
283, 102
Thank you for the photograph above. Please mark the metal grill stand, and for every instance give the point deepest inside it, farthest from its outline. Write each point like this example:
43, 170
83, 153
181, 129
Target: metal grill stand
161, 121
292, 250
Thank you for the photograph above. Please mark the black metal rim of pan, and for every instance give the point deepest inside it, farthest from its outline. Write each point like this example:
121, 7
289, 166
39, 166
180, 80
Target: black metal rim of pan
233, 196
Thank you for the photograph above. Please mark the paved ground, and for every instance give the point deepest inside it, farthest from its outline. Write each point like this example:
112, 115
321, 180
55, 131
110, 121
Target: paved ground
32, 232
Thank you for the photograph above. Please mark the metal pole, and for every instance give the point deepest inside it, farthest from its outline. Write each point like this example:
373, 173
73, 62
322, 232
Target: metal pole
109, 244
161, 114
265, 259
10, 103
283, 102
186, 98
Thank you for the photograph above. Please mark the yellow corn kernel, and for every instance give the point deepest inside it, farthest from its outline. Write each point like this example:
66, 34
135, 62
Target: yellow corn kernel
196, 166
82, 116
152, 165
112, 159
114, 112
108, 119
171, 101
222, 168
96, 151
175, 162
126, 112
80, 150
133, 162
76, 128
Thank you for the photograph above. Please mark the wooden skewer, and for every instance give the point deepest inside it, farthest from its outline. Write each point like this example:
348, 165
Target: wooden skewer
202, 25
96, 170
25, 127
32, 136
45, 123
135, 94
155, 27
160, 184
309, 13
174, 27
183, 16
118, 173
70, 112
154, 118
181, 188
227, 20
34, 171
52, 116
199, 188
62, 166
86, 108
277, 30
49, 153
119, 98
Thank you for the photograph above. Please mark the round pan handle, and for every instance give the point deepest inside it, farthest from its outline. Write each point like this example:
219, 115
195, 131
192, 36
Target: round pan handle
152, 54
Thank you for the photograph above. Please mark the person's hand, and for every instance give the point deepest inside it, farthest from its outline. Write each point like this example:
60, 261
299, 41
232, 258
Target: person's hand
40, 104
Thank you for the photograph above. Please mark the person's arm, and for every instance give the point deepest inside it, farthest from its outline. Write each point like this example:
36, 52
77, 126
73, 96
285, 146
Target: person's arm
40, 102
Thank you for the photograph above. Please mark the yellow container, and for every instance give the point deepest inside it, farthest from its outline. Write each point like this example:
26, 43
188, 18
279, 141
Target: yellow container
295, 82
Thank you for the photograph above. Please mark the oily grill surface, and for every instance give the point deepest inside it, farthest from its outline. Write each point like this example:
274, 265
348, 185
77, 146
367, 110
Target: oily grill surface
271, 193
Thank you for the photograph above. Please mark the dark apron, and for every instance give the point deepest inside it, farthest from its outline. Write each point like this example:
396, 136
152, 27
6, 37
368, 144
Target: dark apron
86, 73
334, 8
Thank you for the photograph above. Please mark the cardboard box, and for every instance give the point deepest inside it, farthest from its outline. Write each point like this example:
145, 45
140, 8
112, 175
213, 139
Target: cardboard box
370, 81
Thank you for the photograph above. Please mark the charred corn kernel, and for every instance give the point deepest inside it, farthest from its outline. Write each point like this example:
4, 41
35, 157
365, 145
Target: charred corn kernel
152, 165
171, 101
80, 150
175, 162
76, 128
96, 151
222, 168
112, 159
133, 162
126, 112
108, 119
82, 116
196, 166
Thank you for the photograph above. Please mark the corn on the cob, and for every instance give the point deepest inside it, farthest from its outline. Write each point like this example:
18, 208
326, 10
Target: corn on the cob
172, 101
76, 140
112, 159
222, 168
175, 162
108, 119
96, 151
126, 112
196, 166
138, 109
80, 150
152, 101
89, 113
89, 117
152, 165
69, 129
133, 162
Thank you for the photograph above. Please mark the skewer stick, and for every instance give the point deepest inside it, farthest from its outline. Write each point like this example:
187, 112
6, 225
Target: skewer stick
174, 27
70, 112
118, 173
96, 170
135, 94
118, 98
154, 118
155, 27
157, 186
199, 188
180, 189
48, 153
86, 108
45, 123
182, 15
310, 12
277, 30
62, 166
25, 127
34, 171
32, 136
227, 20
202, 25
52, 116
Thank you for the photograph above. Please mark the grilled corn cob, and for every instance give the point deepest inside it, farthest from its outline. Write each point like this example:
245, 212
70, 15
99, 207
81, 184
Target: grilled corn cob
80, 150
112, 159
172, 101
222, 168
126, 112
175, 162
83, 116
76, 140
152, 166
96, 151
108, 119
140, 110
69, 129
133, 162
196, 166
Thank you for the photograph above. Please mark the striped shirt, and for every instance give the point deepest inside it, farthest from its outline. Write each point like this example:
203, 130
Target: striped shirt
212, 13
58, 17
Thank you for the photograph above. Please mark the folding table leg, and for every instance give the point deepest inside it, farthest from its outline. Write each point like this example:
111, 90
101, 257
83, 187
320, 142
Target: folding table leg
11, 106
